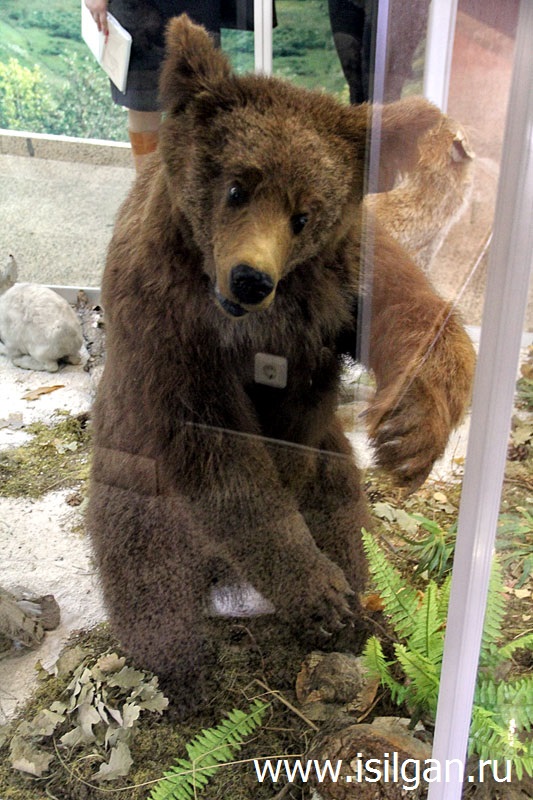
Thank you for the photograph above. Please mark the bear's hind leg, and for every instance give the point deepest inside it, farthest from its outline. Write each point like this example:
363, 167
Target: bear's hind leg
154, 583
170, 643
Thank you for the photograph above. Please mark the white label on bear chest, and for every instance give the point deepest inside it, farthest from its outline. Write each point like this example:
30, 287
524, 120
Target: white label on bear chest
270, 370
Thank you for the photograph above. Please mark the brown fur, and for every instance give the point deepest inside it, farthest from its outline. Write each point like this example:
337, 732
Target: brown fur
431, 196
200, 473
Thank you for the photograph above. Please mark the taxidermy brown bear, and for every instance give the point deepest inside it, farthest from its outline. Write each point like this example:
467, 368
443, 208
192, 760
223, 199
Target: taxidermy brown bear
231, 293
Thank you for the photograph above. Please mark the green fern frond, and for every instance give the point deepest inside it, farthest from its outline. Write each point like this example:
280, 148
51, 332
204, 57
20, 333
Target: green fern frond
510, 700
494, 613
444, 598
207, 751
503, 710
490, 739
522, 643
399, 600
434, 552
427, 637
378, 667
424, 676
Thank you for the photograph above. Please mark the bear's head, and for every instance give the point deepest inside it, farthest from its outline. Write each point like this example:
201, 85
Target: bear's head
268, 176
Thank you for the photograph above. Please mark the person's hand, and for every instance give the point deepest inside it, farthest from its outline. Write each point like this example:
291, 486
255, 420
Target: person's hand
98, 9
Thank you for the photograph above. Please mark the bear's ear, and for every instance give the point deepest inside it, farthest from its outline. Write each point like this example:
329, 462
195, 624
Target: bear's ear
398, 126
192, 64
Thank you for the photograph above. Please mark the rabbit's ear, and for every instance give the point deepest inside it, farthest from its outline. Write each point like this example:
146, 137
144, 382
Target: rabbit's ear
9, 275
398, 126
193, 65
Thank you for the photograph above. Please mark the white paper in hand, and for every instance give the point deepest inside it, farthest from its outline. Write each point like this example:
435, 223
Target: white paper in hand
111, 52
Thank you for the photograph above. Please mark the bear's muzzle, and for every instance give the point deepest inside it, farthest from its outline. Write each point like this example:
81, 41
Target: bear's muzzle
250, 286
233, 309
250, 259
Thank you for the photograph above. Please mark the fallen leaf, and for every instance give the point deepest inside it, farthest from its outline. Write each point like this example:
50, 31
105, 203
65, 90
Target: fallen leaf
34, 394
25, 757
440, 497
58, 706
385, 511
127, 678
406, 521
46, 721
157, 702
521, 593
63, 447
110, 663
116, 714
68, 661
130, 713
88, 716
119, 764
14, 421
72, 738
373, 602
149, 696
522, 432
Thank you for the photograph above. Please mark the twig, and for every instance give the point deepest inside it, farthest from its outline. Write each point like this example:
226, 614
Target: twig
287, 703
370, 708
49, 794
285, 791
375, 624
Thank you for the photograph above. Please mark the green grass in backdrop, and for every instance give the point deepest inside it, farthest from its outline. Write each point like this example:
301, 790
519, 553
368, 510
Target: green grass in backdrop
49, 82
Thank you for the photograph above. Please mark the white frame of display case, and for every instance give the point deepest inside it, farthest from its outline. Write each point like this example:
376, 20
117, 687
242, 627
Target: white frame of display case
508, 279
439, 51
263, 16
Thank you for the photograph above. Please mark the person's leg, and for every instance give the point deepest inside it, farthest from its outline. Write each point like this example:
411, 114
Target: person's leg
143, 130
347, 25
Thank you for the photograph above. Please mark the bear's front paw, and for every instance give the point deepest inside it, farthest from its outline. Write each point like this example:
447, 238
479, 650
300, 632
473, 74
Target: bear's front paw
323, 604
410, 436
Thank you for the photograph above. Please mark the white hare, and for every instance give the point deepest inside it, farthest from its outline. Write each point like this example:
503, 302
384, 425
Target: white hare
37, 326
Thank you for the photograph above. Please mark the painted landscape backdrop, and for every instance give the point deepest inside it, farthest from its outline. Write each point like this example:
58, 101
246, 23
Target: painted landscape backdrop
49, 82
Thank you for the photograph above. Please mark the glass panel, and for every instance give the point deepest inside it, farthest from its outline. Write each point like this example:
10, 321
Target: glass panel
303, 49
49, 82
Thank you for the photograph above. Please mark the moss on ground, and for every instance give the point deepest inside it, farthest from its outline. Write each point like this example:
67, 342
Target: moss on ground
160, 740
57, 456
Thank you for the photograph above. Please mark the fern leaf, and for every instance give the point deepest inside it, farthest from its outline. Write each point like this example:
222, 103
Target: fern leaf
374, 660
444, 598
206, 752
428, 636
400, 601
490, 740
423, 689
522, 643
494, 613
510, 700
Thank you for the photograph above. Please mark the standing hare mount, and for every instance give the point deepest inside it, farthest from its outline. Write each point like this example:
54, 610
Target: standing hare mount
38, 328
232, 295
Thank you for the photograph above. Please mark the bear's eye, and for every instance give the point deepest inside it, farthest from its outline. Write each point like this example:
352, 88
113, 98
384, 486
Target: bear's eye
237, 196
298, 223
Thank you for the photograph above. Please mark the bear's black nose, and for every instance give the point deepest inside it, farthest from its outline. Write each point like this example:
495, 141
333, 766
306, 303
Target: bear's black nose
250, 285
